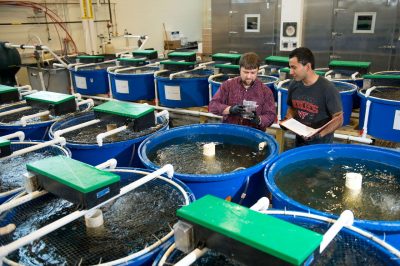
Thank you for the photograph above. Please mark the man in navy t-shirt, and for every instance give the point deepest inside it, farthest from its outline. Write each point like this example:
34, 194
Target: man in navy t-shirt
312, 100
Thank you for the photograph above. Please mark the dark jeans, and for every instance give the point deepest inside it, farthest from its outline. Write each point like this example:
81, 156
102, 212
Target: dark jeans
302, 142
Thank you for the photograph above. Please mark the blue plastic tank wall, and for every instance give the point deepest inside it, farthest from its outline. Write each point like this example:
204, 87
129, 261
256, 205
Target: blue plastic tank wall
34, 131
139, 86
15, 146
271, 85
345, 96
96, 81
185, 92
382, 114
145, 256
390, 230
223, 185
125, 152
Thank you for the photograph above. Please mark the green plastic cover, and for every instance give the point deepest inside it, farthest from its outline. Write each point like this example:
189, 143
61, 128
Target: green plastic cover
131, 110
182, 54
49, 97
268, 234
225, 56
177, 63
285, 70
75, 174
277, 59
355, 64
227, 66
89, 56
144, 52
4, 89
4, 142
135, 60
381, 76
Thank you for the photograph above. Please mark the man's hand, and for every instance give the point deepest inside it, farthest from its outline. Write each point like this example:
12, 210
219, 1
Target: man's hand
237, 110
254, 118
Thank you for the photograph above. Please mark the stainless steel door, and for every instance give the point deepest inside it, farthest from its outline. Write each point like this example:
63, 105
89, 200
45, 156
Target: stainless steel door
378, 46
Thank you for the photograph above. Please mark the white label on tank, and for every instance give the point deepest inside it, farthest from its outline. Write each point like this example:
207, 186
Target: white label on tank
80, 82
173, 93
396, 122
121, 86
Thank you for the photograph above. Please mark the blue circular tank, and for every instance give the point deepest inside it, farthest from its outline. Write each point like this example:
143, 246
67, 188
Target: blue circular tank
383, 114
352, 246
69, 245
389, 230
269, 81
184, 90
345, 89
92, 79
133, 84
125, 152
12, 170
230, 184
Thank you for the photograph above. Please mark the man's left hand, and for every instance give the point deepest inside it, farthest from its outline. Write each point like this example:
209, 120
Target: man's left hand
255, 119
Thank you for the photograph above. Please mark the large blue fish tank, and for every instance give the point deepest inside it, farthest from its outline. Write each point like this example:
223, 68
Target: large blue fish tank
133, 232
345, 89
316, 179
233, 171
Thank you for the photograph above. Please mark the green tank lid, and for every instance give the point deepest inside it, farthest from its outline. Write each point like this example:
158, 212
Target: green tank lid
4, 142
177, 63
75, 174
133, 60
285, 70
4, 89
126, 109
181, 54
320, 72
90, 56
268, 234
277, 59
226, 56
227, 66
354, 64
381, 76
144, 52
49, 97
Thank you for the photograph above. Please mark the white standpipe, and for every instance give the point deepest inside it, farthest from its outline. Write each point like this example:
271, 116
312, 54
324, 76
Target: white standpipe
60, 132
190, 258
346, 218
7, 249
353, 181
111, 164
38, 146
25, 118
14, 111
94, 218
101, 136
367, 108
209, 149
19, 134
261, 205
262, 145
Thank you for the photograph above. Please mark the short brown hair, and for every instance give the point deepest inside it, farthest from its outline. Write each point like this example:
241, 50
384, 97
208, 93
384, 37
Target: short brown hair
250, 61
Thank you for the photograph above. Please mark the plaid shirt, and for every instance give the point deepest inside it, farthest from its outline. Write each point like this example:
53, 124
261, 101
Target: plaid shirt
233, 92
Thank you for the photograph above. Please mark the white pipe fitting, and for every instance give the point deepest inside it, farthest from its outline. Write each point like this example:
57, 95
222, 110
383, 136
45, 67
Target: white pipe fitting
164, 113
111, 164
94, 218
354, 76
328, 73
346, 218
19, 134
78, 96
25, 118
101, 136
280, 83
353, 181
261, 205
90, 103
60, 132
209, 149
190, 258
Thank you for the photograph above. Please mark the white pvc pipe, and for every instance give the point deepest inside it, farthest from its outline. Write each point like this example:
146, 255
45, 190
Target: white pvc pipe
25, 87
11, 192
27, 92
93, 64
111, 164
328, 73
354, 76
19, 134
60, 132
207, 63
38, 146
101, 136
162, 113
346, 218
190, 258
14, 111
185, 71
279, 116
367, 108
261, 205
21, 200
78, 96
90, 102
166, 255
41, 79
353, 138
7, 249
25, 118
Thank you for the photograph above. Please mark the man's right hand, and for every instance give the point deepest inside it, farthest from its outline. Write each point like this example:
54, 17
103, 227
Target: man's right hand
237, 110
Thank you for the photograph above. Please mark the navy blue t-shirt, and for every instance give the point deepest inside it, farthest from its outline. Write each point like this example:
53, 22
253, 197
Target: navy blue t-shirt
316, 104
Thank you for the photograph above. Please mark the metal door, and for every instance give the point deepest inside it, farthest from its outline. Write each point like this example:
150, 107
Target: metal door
260, 39
377, 46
